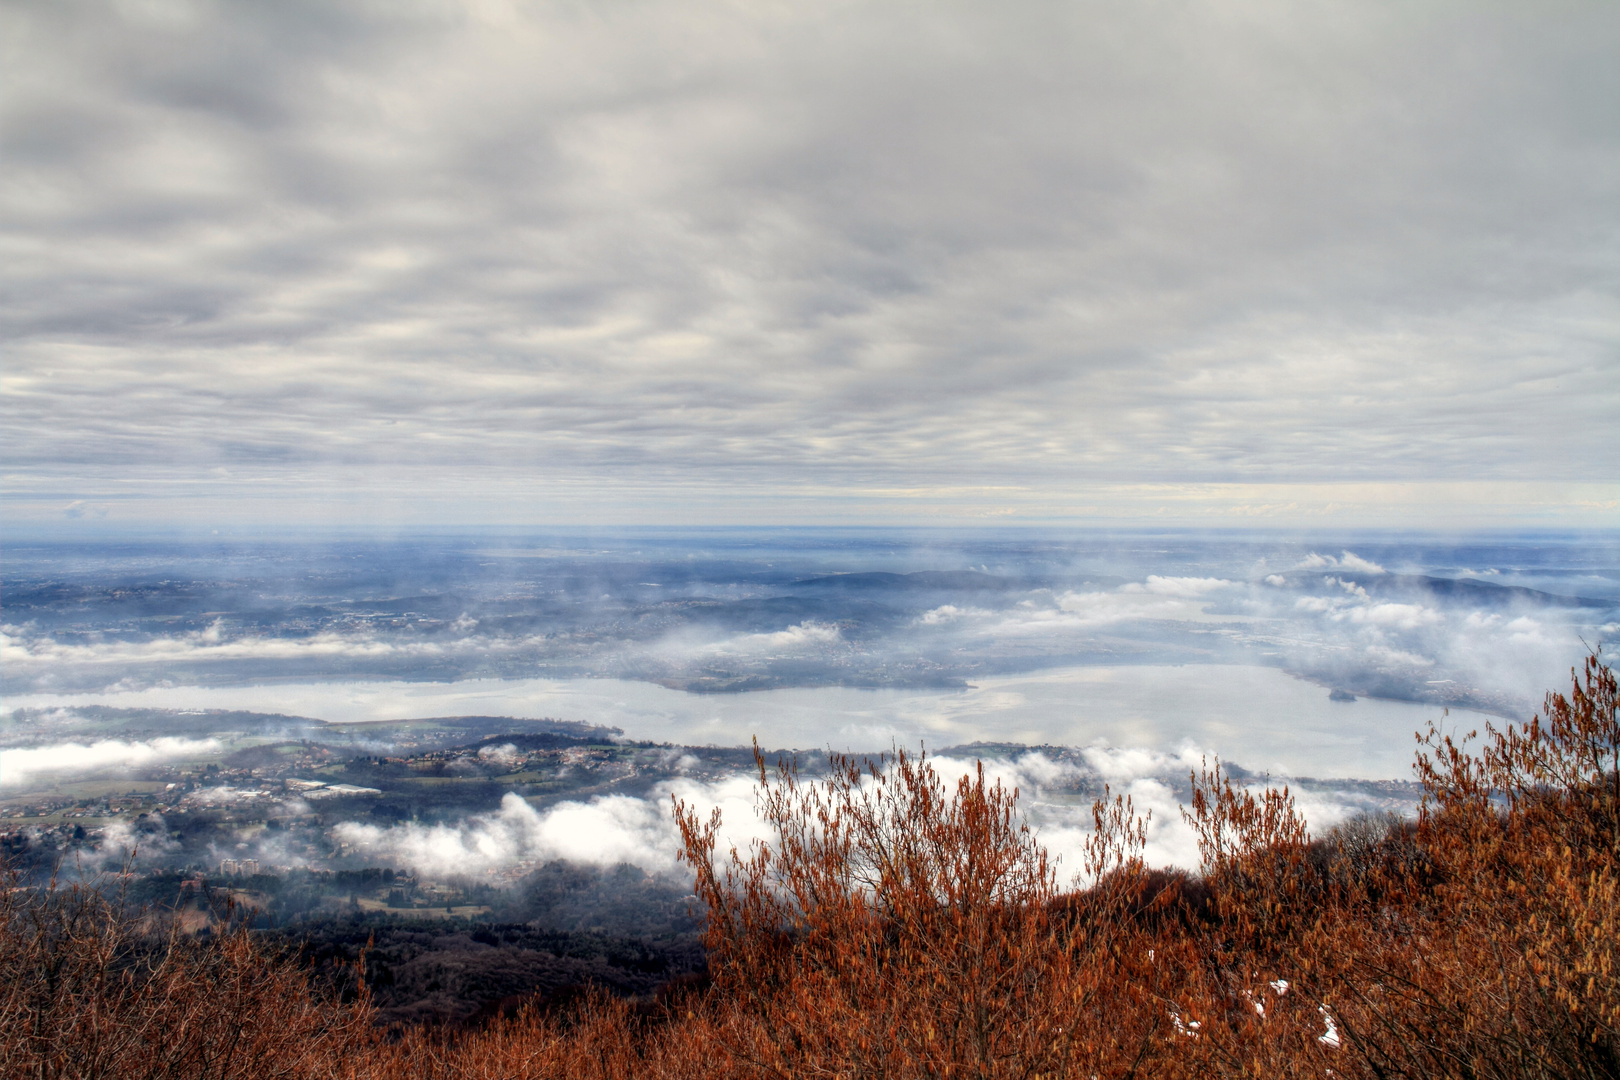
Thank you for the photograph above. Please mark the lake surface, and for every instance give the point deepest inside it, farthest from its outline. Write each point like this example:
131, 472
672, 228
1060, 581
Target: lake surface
1258, 717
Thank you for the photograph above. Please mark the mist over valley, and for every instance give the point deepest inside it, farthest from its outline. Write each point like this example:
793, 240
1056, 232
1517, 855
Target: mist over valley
476, 709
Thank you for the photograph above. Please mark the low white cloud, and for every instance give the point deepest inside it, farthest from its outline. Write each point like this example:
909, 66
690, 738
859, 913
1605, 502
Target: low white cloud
614, 829
1385, 657
504, 754
1352, 588
679, 760
1101, 608
1525, 631
1179, 586
124, 839
1158, 598
19, 649
23, 765
1400, 616
801, 637
950, 613
1148, 777
605, 831
335, 791
1349, 560
624, 829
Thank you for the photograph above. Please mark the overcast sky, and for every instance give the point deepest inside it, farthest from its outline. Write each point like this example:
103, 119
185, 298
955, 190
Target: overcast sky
427, 262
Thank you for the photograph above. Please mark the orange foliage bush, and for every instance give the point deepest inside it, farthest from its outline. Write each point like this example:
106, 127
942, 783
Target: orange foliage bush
87, 991
891, 930
894, 926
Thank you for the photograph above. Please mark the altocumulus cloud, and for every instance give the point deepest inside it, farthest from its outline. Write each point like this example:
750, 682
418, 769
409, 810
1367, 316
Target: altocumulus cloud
445, 253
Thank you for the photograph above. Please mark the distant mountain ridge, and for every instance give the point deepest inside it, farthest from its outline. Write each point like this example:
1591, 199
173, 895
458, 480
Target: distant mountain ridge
1485, 593
921, 580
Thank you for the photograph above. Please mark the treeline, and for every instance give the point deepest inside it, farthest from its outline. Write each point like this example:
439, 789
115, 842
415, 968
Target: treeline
563, 928
896, 926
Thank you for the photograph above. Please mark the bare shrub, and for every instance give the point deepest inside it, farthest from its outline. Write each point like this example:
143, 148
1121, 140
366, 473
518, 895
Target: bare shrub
1498, 954
895, 927
90, 990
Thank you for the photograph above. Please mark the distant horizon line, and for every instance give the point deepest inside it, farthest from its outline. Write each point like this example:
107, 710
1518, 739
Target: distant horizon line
95, 533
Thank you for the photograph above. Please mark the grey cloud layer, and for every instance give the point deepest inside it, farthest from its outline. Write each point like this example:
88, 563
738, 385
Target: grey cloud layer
851, 242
